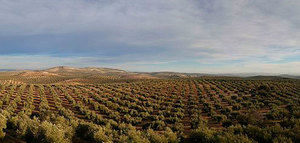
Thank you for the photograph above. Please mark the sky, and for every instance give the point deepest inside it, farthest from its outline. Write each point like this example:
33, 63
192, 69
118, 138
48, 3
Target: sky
203, 36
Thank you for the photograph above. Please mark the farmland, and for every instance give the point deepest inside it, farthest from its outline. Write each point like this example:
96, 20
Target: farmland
119, 108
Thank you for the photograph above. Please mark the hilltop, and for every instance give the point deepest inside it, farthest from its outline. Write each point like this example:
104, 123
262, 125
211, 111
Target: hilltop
63, 69
75, 75
71, 75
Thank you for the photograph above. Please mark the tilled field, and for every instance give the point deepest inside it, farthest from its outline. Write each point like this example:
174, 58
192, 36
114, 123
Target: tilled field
179, 106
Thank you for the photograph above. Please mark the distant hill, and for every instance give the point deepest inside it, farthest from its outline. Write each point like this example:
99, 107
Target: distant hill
65, 69
168, 74
36, 74
174, 74
71, 75
262, 77
7, 70
290, 76
74, 75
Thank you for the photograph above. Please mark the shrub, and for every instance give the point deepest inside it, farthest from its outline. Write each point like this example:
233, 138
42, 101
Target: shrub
277, 114
178, 127
282, 139
227, 123
171, 136
257, 133
19, 124
158, 125
156, 137
197, 121
85, 131
201, 135
3, 121
53, 133
100, 136
231, 138
133, 136
218, 118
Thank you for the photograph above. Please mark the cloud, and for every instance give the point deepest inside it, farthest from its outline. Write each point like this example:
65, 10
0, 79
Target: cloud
42, 62
258, 67
138, 31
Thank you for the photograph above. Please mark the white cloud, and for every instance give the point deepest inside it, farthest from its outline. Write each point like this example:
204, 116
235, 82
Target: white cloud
271, 68
211, 31
42, 62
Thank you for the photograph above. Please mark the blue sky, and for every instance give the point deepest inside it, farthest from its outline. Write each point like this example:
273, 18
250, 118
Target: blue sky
211, 36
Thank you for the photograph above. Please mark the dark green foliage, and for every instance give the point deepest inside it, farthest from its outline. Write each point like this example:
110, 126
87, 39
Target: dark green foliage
161, 110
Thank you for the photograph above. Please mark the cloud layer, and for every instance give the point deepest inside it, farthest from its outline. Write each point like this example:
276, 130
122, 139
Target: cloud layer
192, 36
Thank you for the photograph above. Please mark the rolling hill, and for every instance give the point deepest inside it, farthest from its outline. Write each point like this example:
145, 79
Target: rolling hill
65, 74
